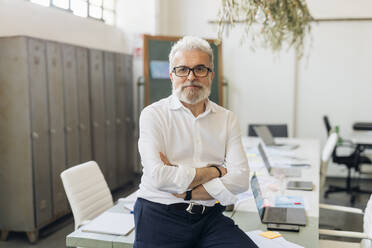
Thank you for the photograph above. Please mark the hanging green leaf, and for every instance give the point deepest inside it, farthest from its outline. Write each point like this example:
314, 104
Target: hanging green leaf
269, 22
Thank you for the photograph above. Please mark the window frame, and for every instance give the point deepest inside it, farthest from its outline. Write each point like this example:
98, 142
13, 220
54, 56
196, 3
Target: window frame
89, 4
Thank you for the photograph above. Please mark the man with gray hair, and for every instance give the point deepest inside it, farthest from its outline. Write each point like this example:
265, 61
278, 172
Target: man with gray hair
193, 160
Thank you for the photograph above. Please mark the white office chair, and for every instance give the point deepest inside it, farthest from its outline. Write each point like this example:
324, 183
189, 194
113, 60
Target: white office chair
366, 235
87, 192
326, 154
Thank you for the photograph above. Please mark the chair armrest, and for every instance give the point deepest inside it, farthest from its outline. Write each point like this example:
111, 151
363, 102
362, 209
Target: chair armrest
358, 235
341, 208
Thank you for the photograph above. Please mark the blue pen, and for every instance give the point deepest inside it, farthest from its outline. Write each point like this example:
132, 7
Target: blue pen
130, 211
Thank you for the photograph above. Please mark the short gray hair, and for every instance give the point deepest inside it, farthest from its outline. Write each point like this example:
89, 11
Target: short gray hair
188, 43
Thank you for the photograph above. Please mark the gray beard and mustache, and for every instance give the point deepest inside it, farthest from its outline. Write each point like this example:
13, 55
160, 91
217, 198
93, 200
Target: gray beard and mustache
191, 96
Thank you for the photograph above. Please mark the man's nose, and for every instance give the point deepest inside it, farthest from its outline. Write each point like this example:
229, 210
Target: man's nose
191, 76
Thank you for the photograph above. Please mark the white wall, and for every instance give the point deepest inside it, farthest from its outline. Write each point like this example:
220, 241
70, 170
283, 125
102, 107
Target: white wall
333, 80
260, 83
19, 17
336, 80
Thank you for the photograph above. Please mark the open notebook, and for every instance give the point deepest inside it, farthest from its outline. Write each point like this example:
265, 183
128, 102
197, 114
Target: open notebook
111, 223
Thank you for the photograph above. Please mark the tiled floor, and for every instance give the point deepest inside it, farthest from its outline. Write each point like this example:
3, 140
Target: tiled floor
54, 236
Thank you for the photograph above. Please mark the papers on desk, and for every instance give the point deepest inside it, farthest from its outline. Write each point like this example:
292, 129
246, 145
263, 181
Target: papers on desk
263, 242
111, 223
289, 201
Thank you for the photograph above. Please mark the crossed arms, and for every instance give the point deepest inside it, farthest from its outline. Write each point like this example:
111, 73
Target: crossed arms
202, 175
206, 185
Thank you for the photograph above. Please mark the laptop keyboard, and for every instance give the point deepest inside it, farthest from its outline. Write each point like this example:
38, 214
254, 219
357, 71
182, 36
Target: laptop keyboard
276, 214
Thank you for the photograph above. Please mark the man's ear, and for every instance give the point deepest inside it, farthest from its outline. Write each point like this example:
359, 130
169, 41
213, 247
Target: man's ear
171, 76
212, 75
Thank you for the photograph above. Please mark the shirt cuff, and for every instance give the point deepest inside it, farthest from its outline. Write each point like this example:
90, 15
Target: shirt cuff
219, 192
183, 178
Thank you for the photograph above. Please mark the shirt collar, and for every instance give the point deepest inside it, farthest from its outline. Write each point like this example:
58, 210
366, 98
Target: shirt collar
175, 103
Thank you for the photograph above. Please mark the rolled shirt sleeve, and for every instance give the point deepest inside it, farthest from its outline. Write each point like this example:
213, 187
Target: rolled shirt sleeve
236, 180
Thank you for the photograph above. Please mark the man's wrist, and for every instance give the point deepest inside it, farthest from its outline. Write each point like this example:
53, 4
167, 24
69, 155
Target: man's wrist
188, 195
218, 169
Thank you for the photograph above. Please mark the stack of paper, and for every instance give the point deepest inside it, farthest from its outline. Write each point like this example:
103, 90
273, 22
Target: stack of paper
263, 242
111, 223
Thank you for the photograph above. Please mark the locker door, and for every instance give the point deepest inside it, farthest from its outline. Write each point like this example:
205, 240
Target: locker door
56, 123
83, 105
97, 105
110, 131
122, 152
71, 107
129, 118
40, 129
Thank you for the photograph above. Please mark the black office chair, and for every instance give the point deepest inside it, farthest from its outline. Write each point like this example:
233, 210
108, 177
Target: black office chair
353, 161
277, 130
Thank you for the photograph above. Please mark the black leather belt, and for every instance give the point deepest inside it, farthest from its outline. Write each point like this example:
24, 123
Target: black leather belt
192, 207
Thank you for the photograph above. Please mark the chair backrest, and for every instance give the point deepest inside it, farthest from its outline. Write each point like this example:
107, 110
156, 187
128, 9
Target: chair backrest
277, 130
327, 124
87, 191
328, 149
367, 224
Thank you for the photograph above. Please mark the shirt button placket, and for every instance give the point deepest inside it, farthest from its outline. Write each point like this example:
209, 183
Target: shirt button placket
197, 142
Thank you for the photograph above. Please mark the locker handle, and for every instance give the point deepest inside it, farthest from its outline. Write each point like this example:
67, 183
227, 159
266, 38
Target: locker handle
118, 121
128, 119
52, 131
108, 123
68, 129
35, 135
82, 126
95, 124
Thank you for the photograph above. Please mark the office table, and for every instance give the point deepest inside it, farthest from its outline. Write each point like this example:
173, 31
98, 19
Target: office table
363, 138
246, 215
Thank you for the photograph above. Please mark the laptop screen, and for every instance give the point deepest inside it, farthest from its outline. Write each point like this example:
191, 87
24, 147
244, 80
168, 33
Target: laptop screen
257, 195
264, 133
264, 158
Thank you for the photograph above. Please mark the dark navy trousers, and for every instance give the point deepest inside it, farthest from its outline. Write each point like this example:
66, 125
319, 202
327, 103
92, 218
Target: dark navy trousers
159, 226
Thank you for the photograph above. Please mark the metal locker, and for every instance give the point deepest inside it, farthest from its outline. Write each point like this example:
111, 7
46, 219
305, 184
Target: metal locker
120, 120
83, 105
56, 128
129, 119
16, 182
40, 131
71, 107
110, 113
97, 106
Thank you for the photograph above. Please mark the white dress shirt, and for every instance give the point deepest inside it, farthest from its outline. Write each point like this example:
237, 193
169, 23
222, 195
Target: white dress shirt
190, 142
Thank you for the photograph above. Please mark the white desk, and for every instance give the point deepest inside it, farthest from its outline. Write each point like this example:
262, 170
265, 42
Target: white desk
362, 138
246, 216
309, 151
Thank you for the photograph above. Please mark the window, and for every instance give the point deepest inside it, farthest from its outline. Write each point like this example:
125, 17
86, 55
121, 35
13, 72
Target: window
103, 10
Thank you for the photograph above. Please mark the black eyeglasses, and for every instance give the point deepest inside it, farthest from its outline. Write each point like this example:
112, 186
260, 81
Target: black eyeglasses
184, 71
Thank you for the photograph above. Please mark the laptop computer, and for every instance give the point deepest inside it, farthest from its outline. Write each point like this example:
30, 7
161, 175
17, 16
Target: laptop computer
264, 133
276, 215
288, 172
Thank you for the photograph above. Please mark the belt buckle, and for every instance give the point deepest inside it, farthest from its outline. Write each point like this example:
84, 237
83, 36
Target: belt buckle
190, 207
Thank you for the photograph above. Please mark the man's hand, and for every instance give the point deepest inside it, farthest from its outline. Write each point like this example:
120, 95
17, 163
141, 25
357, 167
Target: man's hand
198, 193
183, 195
164, 159
222, 169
